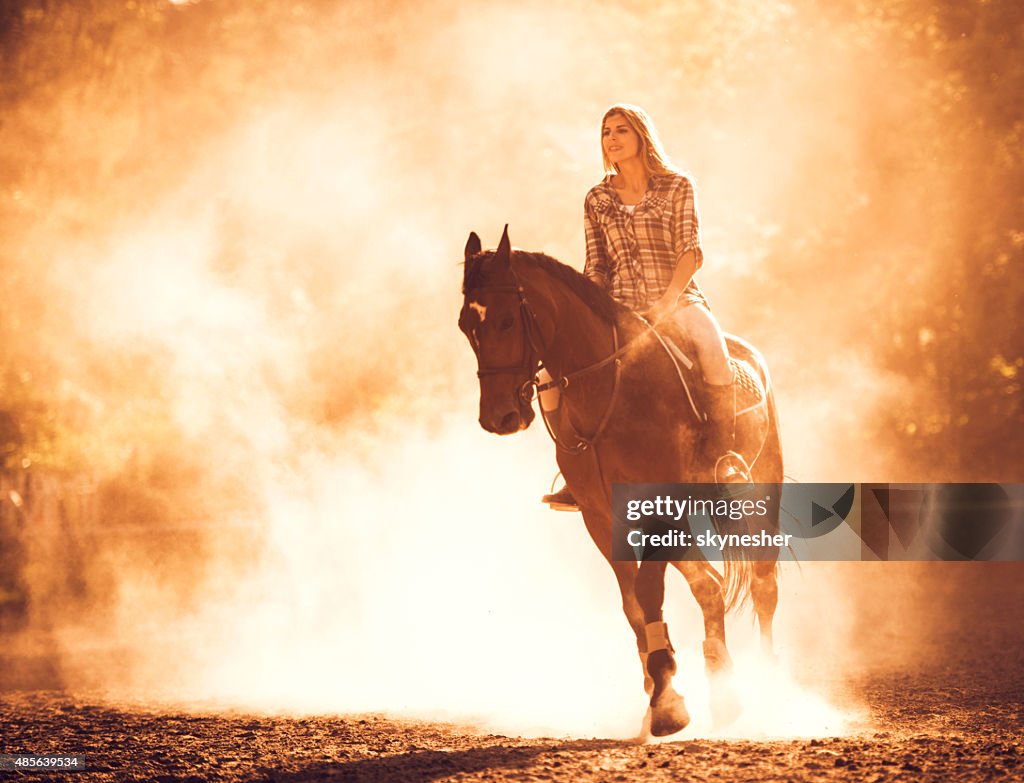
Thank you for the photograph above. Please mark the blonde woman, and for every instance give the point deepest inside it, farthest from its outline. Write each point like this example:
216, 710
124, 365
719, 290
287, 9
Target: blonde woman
643, 247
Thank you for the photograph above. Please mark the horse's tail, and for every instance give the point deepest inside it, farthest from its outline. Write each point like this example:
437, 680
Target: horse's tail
738, 578
767, 468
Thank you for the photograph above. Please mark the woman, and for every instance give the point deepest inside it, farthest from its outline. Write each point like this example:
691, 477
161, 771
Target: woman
643, 247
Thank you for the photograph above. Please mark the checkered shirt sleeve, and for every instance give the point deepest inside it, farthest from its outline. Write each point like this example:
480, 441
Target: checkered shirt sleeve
686, 221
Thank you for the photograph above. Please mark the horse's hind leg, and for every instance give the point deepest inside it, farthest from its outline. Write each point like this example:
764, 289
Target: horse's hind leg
668, 712
725, 704
764, 589
764, 583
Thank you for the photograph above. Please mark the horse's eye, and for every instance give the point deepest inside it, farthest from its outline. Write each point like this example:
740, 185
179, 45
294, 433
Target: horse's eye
506, 323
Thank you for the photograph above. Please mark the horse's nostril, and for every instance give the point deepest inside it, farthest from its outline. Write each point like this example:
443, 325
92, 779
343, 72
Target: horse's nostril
510, 421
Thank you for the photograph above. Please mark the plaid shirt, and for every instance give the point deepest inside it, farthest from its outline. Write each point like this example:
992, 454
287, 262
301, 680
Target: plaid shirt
633, 256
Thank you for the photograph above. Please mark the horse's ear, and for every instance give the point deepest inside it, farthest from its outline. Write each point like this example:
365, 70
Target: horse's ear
504, 247
472, 245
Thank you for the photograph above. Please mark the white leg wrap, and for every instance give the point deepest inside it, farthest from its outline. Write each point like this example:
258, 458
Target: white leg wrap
655, 637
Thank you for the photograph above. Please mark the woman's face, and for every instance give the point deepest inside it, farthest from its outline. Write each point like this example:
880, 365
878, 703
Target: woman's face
619, 141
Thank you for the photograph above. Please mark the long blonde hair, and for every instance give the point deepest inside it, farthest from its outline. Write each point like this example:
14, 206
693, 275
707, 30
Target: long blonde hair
652, 153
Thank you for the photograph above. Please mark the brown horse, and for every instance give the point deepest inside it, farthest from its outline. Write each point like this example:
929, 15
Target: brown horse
630, 422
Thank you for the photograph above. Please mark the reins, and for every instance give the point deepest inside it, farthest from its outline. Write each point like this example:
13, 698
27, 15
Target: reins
525, 364
583, 444
531, 364
563, 382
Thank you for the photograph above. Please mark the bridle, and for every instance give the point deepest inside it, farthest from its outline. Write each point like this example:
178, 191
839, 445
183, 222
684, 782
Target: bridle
531, 364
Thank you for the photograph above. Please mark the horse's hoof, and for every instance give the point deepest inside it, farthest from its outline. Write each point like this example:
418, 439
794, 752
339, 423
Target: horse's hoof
668, 714
725, 702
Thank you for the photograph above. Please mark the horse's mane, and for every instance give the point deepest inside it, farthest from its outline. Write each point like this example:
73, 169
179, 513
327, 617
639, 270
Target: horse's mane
589, 292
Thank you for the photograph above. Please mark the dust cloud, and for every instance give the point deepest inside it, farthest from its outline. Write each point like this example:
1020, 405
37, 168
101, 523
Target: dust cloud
232, 240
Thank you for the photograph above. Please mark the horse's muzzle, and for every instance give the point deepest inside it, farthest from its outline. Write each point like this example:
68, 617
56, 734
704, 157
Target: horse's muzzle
508, 422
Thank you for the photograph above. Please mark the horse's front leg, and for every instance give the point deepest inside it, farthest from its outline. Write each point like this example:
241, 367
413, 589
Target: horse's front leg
600, 528
668, 709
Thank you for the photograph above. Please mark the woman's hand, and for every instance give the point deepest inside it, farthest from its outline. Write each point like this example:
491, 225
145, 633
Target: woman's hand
664, 306
658, 311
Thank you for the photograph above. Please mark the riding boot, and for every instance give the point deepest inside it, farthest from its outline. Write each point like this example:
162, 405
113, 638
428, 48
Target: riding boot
561, 499
720, 435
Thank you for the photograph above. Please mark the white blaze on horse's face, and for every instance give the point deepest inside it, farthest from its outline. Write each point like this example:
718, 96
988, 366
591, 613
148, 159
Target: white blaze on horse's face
481, 315
503, 359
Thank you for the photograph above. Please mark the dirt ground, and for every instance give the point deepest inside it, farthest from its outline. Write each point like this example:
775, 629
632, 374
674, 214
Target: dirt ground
958, 714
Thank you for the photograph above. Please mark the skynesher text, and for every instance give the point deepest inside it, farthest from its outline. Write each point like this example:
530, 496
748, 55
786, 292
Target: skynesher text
719, 541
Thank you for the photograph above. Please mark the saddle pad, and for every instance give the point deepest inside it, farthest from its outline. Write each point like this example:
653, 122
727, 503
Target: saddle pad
749, 393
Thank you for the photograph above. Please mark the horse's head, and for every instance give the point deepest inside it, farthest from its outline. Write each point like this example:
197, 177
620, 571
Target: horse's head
497, 321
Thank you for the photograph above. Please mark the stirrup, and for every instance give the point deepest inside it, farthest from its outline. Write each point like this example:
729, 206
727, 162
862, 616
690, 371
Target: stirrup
731, 468
562, 500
